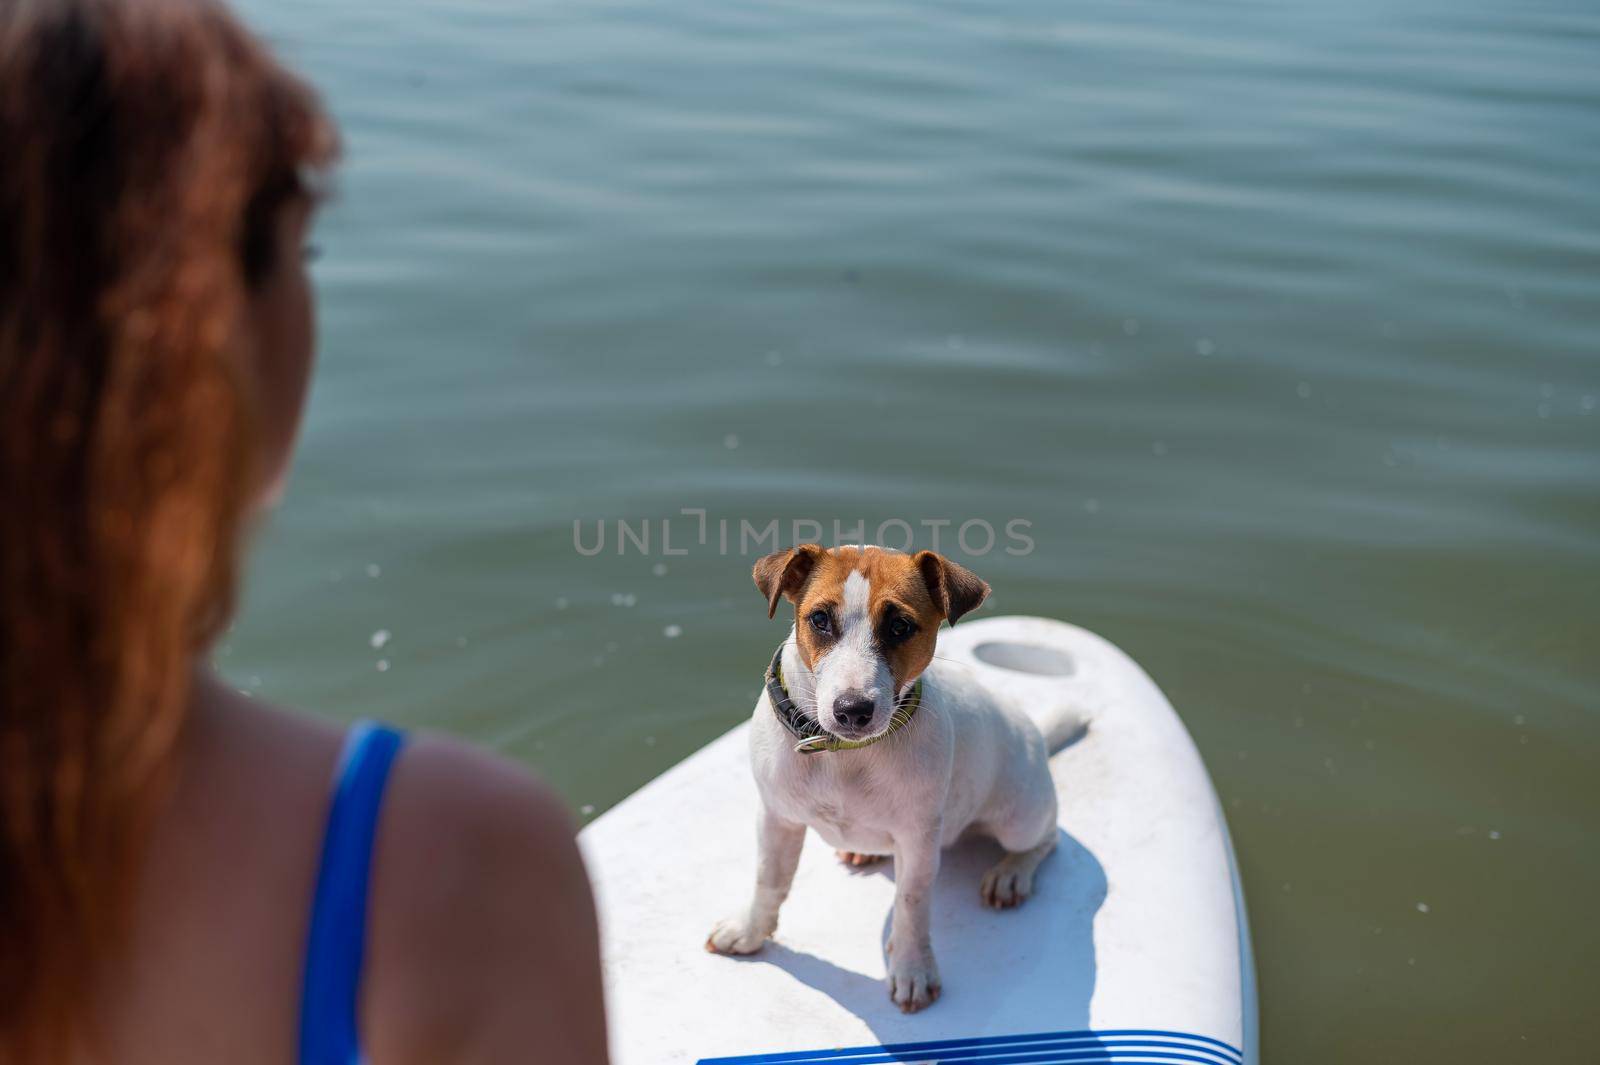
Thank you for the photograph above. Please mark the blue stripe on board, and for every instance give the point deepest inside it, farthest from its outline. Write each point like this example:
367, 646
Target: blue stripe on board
1130, 1057
1038, 1053
1120, 1057
1087, 1056
1026, 1047
1041, 1052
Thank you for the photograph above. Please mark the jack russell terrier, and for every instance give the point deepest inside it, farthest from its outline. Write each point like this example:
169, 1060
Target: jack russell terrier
862, 736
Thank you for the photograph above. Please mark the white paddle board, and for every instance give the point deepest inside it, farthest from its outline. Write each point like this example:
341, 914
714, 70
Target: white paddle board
1133, 948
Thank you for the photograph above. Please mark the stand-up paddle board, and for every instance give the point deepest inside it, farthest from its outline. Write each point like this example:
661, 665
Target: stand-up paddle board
1133, 948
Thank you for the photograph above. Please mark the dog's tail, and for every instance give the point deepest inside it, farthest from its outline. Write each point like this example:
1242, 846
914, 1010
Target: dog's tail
1062, 724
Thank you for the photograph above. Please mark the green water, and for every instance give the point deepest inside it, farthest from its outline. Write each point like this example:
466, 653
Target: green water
1276, 322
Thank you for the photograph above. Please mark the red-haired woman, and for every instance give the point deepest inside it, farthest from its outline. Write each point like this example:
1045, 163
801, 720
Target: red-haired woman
186, 875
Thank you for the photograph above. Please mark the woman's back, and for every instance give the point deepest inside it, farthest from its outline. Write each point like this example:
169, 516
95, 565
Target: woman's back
216, 966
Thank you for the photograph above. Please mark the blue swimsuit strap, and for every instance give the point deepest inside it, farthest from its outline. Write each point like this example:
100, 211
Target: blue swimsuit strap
337, 940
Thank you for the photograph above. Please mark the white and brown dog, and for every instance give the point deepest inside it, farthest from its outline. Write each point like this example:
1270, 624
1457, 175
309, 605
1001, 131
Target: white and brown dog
864, 737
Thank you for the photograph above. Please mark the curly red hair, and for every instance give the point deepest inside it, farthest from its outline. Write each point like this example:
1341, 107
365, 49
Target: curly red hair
148, 147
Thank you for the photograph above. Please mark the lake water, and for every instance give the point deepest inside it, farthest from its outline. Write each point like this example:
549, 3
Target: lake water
1278, 324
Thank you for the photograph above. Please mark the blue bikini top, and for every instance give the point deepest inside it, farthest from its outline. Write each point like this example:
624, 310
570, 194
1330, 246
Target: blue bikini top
329, 995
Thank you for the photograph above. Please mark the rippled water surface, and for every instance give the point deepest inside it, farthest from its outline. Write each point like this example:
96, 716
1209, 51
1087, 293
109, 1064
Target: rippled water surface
1277, 322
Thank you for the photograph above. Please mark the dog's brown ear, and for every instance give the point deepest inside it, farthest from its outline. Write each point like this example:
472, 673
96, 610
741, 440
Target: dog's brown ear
955, 589
784, 573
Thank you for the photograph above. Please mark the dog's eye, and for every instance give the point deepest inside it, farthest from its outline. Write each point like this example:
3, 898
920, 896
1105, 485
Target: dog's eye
821, 621
900, 628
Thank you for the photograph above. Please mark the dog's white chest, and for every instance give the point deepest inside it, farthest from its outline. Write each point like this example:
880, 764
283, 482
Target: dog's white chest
841, 802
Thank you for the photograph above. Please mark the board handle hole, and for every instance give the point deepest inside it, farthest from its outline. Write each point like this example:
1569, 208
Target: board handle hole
1025, 658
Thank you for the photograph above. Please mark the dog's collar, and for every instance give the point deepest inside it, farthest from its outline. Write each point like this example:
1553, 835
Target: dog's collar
811, 737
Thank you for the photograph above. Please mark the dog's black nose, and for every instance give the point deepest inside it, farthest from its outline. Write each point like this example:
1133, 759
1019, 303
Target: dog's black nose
853, 708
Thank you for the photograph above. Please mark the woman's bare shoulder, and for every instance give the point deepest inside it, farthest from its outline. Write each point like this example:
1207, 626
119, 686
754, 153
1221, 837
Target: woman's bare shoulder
483, 946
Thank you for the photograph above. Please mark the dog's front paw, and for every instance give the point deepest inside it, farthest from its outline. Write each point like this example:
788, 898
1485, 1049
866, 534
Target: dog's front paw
913, 980
736, 936
1006, 885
